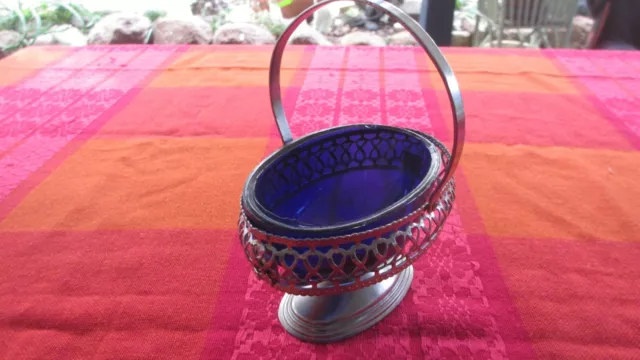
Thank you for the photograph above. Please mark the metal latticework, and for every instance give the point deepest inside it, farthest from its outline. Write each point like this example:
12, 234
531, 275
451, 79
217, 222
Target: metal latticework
374, 148
346, 263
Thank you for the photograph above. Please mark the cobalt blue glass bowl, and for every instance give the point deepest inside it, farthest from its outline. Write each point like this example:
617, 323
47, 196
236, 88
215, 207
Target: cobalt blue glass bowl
341, 181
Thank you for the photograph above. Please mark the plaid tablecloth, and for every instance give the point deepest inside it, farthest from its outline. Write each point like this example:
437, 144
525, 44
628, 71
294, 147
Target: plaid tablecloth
121, 170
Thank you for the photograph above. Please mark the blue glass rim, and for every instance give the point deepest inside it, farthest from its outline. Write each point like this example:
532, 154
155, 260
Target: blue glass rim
260, 216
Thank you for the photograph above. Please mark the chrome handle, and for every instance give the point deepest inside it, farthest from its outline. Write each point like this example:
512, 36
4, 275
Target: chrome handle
432, 50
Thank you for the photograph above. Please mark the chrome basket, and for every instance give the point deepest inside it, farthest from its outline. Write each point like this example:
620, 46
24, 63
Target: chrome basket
336, 218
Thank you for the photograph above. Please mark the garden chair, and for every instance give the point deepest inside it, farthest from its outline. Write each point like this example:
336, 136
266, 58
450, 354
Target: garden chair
524, 23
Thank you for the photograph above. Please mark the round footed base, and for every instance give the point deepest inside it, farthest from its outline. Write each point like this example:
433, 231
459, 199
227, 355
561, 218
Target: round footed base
323, 319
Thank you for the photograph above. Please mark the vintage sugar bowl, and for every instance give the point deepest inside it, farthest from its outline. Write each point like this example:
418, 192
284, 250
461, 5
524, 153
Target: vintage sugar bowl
336, 218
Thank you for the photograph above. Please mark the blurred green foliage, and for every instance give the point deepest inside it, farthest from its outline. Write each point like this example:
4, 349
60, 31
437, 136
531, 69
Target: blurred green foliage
154, 15
265, 19
47, 13
33, 21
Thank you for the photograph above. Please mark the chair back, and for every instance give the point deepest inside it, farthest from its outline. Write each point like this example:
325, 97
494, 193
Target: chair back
539, 13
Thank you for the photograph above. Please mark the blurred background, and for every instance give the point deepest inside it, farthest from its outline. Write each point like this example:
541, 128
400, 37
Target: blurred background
481, 23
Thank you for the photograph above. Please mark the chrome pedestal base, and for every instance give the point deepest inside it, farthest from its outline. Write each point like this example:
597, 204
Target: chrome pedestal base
323, 319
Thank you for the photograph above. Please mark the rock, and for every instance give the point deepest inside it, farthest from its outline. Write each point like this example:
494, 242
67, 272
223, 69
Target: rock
78, 22
362, 38
340, 31
208, 7
403, 38
69, 36
193, 30
328, 16
411, 7
324, 19
120, 28
243, 33
460, 38
581, 28
371, 25
306, 35
44, 40
8, 39
62, 35
209, 19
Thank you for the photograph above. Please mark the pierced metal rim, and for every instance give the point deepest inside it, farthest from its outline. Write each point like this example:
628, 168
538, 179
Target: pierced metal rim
257, 213
429, 46
443, 208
